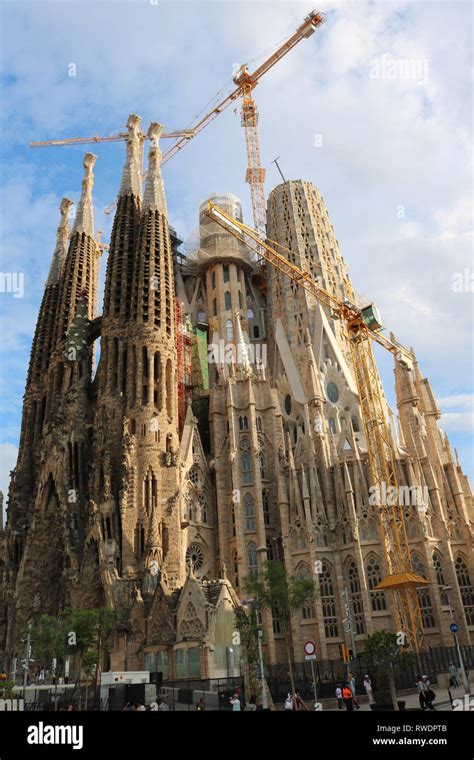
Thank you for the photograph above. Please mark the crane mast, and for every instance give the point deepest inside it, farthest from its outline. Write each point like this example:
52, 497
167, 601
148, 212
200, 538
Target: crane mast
401, 580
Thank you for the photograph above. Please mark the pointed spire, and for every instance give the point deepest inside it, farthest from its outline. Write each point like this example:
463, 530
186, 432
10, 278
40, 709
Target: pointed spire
242, 351
84, 221
154, 196
131, 177
62, 237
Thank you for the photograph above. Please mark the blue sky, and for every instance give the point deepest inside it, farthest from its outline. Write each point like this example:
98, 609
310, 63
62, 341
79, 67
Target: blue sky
390, 154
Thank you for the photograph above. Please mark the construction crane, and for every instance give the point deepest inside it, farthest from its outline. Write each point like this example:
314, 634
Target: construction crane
186, 134
245, 83
361, 327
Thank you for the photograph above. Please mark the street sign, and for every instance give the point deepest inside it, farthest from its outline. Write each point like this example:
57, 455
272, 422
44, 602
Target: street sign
310, 656
454, 628
310, 648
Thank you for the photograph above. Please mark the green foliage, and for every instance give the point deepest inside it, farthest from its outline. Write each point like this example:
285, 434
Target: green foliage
383, 655
384, 658
278, 591
73, 632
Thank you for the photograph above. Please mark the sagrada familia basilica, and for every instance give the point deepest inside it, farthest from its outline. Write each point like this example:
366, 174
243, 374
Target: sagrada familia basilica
155, 477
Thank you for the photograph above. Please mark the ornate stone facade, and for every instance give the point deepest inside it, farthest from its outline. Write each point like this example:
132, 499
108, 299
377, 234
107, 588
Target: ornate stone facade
111, 503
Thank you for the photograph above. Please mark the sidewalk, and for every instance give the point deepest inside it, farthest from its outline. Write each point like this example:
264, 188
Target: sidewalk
411, 700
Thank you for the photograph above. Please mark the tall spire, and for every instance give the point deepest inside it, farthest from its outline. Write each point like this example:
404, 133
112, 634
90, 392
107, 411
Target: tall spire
131, 178
84, 221
62, 237
154, 196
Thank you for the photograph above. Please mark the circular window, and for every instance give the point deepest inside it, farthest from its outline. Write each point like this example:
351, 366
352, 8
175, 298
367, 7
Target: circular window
333, 392
195, 556
288, 404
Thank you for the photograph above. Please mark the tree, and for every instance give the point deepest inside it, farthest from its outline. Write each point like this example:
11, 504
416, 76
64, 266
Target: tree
284, 596
90, 628
384, 657
246, 623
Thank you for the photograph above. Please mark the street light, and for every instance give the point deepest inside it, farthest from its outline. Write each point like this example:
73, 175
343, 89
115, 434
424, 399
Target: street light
446, 590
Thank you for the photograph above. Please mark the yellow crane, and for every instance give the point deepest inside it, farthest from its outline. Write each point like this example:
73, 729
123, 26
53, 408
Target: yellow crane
245, 82
362, 327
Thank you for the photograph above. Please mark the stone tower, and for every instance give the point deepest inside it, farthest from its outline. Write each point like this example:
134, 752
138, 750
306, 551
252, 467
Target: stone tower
112, 503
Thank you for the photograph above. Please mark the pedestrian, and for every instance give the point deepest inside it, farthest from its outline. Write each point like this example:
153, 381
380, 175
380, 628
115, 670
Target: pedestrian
453, 675
288, 702
368, 689
200, 707
340, 701
252, 704
235, 702
352, 685
429, 694
70, 708
347, 697
162, 706
421, 691
298, 703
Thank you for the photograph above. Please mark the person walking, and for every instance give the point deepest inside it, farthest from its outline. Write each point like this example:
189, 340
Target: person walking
453, 675
352, 685
348, 698
339, 698
288, 702
200, 707
421, 691
368, 689
298, 703
429, 694
235, 702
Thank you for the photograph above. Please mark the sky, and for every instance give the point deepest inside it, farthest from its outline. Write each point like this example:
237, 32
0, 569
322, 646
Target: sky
375, 109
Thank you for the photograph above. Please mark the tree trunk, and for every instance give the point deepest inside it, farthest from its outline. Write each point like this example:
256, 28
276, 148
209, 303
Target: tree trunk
290, 665
393, 691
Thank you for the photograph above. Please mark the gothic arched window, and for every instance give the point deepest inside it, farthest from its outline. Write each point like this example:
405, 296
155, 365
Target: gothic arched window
374, 576
243, 422
246, 462
266, 507
249, 512
252, 561
261, 460
424, 596
438, 566
304, 573
328, 603
466, 589
229, 330
356, 597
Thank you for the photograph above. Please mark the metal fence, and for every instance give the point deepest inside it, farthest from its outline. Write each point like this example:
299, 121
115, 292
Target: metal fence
329, 673
215, 693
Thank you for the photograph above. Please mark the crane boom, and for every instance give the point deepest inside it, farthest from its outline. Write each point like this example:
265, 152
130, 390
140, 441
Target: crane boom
187, 134
401, 580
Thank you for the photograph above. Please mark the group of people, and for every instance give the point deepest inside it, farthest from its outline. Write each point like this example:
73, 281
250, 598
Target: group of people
346, 693
158, 706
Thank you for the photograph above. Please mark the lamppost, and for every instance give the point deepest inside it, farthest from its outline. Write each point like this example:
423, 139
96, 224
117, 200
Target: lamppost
446, 590
350, 626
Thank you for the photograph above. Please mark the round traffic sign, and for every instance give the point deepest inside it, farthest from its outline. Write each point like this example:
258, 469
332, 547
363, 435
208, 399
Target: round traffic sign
309, 647
454, 628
